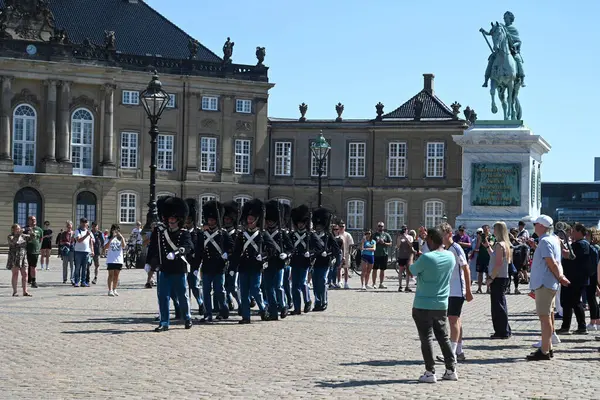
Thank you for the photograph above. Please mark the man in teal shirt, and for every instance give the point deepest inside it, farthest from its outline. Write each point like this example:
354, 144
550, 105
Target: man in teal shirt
433, 271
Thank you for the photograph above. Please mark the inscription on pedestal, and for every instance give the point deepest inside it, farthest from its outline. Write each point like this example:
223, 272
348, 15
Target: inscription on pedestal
496, 185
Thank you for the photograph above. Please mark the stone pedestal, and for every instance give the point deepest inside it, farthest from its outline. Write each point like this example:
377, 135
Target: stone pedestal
65, 168
51, 167
7, 165
501, 174
109, 170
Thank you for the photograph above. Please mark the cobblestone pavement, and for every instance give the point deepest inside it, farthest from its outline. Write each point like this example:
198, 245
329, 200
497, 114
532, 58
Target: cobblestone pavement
76, 343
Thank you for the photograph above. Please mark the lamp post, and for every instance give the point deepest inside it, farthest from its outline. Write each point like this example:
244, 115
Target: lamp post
444, 218
154, 99
320, 149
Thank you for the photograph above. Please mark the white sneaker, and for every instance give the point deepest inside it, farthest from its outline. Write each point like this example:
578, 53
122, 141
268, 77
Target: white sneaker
111, 293
592, 327
450, 376
555, 341
428, 377
115, 293
369, 287
346, 286
363, 287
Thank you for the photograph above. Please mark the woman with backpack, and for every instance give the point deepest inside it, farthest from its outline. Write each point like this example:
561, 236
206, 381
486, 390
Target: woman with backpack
65, 249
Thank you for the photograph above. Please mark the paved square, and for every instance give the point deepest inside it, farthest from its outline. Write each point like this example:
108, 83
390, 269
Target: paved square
74, 343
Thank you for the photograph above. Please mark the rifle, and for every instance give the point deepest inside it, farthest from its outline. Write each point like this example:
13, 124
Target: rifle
280, 225
262, 230
219, 226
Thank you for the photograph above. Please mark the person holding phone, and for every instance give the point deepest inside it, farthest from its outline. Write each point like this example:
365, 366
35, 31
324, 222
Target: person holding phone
114, 258
367, 254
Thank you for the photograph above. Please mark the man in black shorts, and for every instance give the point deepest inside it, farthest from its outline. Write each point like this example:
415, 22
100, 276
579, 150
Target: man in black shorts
404, 254
483, 257
383, 241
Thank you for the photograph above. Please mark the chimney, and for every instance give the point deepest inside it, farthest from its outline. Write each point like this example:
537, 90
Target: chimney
428, 82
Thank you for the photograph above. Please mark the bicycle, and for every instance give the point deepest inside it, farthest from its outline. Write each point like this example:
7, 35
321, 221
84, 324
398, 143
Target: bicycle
133, 254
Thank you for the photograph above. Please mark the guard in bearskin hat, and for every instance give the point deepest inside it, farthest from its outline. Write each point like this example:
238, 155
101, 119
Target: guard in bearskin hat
169, 247
277, 217
214, 249
321, 219
253, 246
193, 278
230, 224
306, 246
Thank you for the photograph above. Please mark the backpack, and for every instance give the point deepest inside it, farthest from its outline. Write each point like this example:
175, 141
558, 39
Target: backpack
520, 255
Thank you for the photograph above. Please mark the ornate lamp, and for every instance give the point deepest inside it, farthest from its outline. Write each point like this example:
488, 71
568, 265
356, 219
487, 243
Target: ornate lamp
154, 99
320, 149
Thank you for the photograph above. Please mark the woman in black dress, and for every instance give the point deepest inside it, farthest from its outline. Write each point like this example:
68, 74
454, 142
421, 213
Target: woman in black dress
46, 245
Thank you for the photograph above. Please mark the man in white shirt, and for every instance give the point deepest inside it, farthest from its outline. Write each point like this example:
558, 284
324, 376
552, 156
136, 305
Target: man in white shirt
84, 248
523, 235
347, 241
136, 234
459, 291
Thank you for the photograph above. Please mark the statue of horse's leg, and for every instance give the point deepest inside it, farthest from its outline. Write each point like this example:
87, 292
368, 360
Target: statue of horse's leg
511, 102
502, 97
493, 95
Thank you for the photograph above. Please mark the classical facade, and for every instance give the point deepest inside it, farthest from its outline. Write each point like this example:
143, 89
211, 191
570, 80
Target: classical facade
73, 134
400, 167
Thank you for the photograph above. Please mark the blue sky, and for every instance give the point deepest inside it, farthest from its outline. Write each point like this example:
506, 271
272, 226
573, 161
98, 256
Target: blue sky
322, 52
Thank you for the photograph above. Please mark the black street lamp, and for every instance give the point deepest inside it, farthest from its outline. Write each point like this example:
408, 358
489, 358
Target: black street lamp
154, 99
320, 149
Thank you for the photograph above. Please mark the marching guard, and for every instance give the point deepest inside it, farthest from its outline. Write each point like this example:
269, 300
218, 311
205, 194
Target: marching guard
251, 245
306, 246
230, 223
214, 249
193, 278
277, 216
169, 246
321, 219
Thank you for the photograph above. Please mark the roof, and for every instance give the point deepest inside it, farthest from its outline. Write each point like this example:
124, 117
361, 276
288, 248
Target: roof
139, 29
433, 108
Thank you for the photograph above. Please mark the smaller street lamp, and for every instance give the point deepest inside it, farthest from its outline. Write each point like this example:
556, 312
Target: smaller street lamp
320, 149
444, 218
155, 100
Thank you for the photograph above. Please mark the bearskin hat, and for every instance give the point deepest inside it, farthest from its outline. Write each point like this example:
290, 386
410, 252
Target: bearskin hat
212, 209
193, 207
278, 212
253, 207
231, 209
321, 216
300, 214
175, 207
160, 205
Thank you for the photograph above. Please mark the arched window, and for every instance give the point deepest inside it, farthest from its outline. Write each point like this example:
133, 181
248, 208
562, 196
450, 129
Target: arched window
205, 198
27, 202
86, 206
24, 136
434, 211
241, 200
164, 194
82, 139
395, 211
285, 201
355, 215
127, 208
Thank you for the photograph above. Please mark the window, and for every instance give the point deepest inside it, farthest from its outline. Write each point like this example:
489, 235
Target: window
205, 198
165, 152
129, 150
24, 135
27, 202
208, 154
435, 160
171, 103
127, 208
285, 201
242, 156
131, 97
241, 200
397, 160
82, 135
394, 214
86, 206
434, 211
355, 215
356, 160
283, 158
314, 165
210, 103
243, 106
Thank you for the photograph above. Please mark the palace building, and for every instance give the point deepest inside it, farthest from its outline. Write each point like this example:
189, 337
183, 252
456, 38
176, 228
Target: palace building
74, 141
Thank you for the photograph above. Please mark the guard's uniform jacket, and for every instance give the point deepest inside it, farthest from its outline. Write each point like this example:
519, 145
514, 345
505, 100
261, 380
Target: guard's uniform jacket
330, 246
211, 247
194, 258
283, 244
302, 242
247, 248
159, 248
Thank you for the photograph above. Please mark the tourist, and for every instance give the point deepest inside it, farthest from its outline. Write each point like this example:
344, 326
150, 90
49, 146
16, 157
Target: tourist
346, 250
17, 258
34, 245
521, 253
367, 255
383, 242
500, 255
46, 246
83, 247
463, 240
484, 240
522, 234
405, 252
546, 276
114, 258
99, 242
67, 252
433, 271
